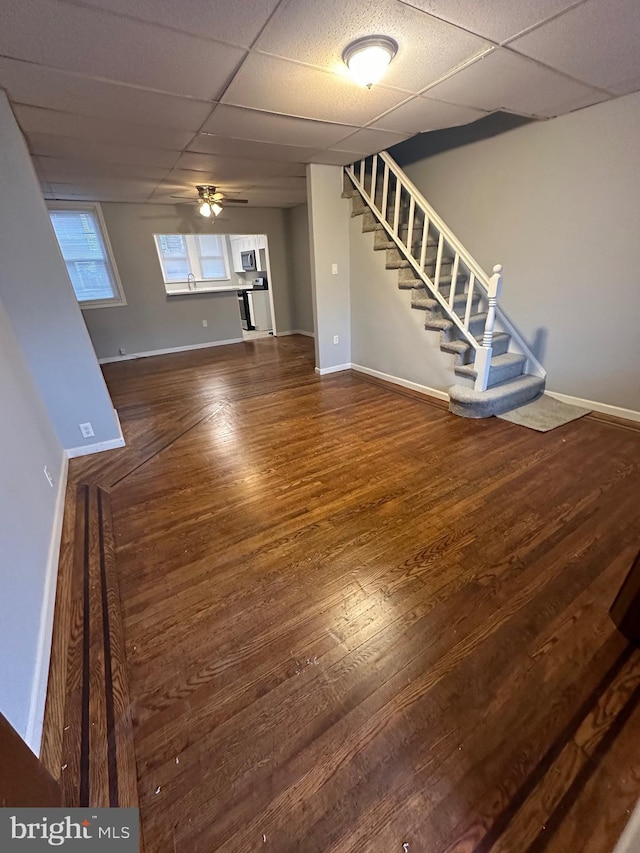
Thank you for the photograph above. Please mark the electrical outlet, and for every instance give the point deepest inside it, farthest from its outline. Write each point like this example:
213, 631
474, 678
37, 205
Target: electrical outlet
205, 323
86, 430
336, 339
48, 476
122, 351
334, 269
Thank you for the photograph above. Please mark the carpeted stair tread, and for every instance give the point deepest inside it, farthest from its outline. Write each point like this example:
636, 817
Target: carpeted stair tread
470, 403
464, 350
503, 367
422, 299
438, 324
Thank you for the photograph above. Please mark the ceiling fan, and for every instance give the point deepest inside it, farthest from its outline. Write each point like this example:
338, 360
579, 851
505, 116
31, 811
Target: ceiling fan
210, 200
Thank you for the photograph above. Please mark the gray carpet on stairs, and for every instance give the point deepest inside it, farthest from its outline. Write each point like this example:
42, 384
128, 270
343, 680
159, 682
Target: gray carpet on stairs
544, 414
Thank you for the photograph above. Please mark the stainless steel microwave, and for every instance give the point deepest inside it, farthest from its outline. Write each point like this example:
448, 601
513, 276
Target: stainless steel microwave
248, 260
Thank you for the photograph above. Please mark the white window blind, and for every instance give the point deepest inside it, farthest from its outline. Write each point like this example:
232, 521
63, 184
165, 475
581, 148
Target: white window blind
172, 249
212, 256
187, 259
83, 248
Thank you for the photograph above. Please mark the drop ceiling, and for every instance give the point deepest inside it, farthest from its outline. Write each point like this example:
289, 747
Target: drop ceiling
139, 102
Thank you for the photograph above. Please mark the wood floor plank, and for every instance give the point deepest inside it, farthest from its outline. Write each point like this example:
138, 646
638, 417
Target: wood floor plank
347, 620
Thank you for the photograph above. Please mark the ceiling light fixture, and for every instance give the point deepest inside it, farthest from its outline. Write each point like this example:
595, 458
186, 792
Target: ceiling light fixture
216, 208
205, 209
368, 58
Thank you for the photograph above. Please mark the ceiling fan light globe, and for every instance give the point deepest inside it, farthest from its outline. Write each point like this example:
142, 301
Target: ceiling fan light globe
216, 208
205, 209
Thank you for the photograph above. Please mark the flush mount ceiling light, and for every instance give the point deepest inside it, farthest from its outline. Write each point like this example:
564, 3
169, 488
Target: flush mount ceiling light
368, 58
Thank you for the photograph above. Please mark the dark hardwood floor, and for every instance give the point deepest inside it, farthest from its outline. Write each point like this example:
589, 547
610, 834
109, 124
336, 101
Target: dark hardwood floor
352, 621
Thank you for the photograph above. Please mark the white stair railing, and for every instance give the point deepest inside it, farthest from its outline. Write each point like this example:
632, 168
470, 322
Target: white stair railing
379, 179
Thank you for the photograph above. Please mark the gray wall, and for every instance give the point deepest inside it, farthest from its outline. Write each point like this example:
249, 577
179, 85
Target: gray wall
151, 320
28, 442
297, 219
40, 301
329, 244
387, 335
558, 204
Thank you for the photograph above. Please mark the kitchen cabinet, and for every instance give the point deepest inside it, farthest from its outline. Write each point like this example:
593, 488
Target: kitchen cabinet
261, 310
247, 243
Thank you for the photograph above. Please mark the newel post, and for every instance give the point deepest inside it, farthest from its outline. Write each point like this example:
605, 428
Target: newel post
483, 353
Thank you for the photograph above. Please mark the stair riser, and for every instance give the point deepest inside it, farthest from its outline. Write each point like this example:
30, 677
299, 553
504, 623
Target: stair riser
502, 374
497, 373
486, 408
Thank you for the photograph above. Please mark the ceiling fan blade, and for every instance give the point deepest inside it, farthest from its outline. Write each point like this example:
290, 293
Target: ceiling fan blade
235, 201
188, 197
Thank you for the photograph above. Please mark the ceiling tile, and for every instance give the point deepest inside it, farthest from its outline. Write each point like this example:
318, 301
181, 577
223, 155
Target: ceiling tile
54, 122
498, 20
422, 114
604, 39
370, 141
282, 182
206, 168
103, 190
94, 43
427, 48
270, 127
328, 157
237, 23
60, 169
233, 167
504, 80
65, 146
44, 87
267, 83
222, 145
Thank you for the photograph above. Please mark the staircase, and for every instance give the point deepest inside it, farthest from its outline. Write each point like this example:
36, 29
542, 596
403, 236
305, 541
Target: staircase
458, 298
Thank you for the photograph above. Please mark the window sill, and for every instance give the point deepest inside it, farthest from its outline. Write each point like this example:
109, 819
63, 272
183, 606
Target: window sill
194, 291
106, 303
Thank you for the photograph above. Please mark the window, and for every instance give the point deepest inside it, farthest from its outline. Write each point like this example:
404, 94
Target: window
189, 261
84, 244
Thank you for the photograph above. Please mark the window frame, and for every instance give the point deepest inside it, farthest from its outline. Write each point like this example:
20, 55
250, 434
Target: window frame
94, 208
194, 261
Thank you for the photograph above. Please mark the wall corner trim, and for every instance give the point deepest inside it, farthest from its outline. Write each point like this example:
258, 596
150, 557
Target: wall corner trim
100, 446
35, 719
338, 368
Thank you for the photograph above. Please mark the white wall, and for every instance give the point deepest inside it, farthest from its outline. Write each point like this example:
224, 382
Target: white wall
558, 204
151, 320
41, 304
297, 219
329, 244
30, 513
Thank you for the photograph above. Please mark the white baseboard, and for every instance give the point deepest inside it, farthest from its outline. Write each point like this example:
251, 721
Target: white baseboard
295, 332
338, 368
168, 351
100, 446
604, 408
404, 383
35, 719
